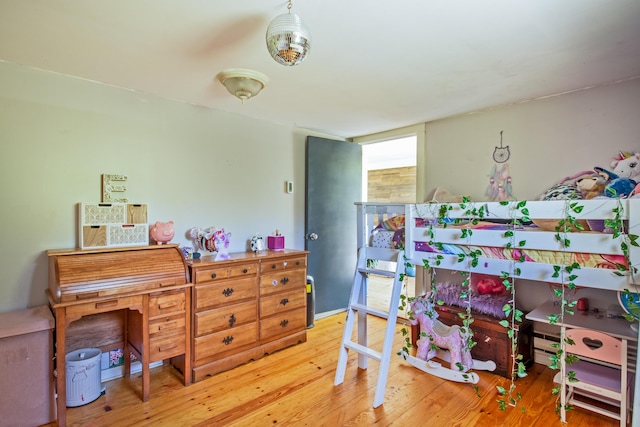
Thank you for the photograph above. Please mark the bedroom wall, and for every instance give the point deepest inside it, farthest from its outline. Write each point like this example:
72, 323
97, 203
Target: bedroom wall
191, 165
548, 138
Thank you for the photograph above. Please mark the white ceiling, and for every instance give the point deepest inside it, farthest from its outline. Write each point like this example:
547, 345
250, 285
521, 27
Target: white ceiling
374, 65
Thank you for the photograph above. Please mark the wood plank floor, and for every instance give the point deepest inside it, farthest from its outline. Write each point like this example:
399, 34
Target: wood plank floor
294, 387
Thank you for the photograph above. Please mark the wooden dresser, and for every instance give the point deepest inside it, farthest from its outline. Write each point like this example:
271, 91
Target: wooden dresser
246, 307
135, 298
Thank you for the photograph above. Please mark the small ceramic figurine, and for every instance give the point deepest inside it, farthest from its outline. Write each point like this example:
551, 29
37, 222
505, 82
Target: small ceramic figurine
257, 243
161, 232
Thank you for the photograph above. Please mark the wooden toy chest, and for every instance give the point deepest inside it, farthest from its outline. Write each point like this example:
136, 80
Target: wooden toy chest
105, 225
491, 338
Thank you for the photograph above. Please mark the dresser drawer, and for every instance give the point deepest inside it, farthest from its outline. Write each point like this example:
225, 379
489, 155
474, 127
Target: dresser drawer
281, 324
161, 304
168, 325
225, 341
277, 303
212, 274
219, 319
133, 302
283, 264
225, 292
164, 347
282, 281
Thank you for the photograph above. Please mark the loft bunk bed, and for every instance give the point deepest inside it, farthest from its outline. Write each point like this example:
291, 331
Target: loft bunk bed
552, 242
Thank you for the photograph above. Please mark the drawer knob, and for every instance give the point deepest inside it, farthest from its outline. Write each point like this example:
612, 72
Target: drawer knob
284, 301
227, 292
245, 271
273, 266
214, 275
284, 323
227, 340
232, 320
284, 280
297, 262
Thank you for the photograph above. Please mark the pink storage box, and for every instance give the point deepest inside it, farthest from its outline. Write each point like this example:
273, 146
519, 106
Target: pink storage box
275, 242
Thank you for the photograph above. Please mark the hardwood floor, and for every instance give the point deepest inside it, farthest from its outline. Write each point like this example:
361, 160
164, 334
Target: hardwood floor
294, 387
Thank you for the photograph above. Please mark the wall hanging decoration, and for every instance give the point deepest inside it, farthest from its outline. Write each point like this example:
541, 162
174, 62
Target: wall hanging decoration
288, 39
113, 188
500, 188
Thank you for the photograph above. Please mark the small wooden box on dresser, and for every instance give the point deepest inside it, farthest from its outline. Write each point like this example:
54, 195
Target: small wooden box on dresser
245, 307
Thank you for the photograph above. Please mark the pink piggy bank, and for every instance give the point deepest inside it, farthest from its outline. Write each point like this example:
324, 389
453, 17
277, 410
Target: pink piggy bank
161, 232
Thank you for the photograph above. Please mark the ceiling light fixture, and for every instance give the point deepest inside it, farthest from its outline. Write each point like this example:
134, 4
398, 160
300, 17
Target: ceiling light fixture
288, 39
243, 83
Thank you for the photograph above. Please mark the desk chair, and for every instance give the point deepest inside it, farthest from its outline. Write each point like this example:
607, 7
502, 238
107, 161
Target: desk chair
608, 383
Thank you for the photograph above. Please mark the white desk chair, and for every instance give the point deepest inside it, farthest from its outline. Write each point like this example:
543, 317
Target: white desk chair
609, 384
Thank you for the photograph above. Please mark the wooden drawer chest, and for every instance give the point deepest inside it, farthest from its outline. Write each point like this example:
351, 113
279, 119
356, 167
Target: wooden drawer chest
492, 342
246, 307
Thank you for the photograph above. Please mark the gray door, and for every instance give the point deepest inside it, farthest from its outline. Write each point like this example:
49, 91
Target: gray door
333, 185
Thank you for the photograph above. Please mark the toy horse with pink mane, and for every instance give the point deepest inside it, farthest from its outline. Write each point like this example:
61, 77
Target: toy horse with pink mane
435, 338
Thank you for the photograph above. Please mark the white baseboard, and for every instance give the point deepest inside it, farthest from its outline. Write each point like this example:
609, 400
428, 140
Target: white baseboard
118, 371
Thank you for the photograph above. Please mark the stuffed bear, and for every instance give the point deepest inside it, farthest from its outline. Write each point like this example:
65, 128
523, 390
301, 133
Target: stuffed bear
593, 186
627, 165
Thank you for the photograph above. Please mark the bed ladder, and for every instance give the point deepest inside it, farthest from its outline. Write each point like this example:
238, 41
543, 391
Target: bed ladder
358, 307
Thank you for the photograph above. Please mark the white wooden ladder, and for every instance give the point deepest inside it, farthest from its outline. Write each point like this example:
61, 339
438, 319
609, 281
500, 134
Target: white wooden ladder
358, 306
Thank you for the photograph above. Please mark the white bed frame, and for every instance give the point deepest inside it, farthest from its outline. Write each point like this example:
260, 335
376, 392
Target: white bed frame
370, 215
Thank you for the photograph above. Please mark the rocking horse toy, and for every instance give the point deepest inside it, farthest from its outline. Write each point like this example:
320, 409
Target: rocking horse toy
435, 337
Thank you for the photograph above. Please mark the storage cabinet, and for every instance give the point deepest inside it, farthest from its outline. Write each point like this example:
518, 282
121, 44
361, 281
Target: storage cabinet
26, 367
102, 225
246, 307
492, 342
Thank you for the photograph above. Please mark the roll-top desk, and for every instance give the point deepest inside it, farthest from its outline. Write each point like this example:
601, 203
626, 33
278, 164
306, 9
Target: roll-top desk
134, 298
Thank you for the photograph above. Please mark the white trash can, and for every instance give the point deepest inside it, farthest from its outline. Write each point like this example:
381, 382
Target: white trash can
83, 376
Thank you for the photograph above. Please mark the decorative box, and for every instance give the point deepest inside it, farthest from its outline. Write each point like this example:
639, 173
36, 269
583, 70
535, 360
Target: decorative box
105, 225
275, 242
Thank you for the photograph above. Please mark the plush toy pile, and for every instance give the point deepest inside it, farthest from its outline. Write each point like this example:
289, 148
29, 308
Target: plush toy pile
622, 181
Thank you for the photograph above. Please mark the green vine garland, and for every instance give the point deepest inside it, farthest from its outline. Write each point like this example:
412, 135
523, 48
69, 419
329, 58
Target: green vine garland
565, 273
